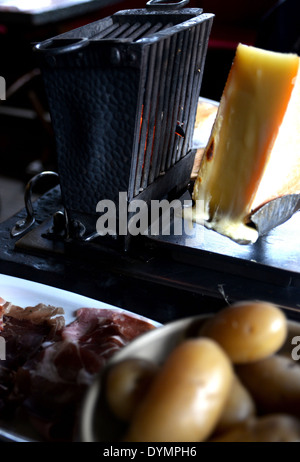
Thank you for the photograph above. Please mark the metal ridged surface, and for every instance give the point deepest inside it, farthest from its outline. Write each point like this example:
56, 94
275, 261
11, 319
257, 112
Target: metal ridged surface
174, 74
129, 31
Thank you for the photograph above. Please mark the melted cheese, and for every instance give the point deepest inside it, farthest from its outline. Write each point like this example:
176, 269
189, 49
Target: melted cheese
249, 158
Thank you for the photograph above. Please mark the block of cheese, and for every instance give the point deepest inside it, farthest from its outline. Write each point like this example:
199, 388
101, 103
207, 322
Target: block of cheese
253, 153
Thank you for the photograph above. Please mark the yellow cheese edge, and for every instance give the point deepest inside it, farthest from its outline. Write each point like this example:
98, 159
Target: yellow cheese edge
251, 110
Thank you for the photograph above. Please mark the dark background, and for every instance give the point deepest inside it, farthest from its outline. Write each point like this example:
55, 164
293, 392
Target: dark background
26, 141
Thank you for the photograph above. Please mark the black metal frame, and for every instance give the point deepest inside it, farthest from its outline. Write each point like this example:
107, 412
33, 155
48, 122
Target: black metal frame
142, 69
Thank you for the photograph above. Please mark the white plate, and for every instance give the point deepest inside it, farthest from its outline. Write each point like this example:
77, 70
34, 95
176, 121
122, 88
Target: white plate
27, 293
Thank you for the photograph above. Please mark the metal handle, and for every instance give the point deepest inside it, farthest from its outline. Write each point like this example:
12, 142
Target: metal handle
57, 46
166, 4
23, 225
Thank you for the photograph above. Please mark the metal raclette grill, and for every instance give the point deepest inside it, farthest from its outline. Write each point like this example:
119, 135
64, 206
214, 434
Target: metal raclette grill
123, 95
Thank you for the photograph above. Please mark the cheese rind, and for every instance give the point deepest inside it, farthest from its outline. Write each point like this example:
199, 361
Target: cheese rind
252, 108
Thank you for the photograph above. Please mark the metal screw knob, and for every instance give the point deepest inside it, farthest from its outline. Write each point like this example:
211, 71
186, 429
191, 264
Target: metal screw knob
115, 56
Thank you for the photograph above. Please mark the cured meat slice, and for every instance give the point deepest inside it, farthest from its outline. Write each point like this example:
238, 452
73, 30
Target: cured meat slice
25, 330
2, 303
38, 314
52, 383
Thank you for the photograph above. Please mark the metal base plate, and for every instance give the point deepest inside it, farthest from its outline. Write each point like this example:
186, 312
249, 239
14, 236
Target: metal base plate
274, 258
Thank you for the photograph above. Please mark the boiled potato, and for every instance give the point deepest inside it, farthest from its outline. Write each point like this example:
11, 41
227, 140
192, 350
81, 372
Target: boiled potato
126, 383
268, 428
186, 397
247, 331
274, 383
239, 407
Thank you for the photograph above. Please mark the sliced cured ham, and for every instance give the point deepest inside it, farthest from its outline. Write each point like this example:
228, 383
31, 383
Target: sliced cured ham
52, 383
25, 330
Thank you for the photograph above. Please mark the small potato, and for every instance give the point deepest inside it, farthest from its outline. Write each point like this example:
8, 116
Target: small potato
248, 331
274, 383
239, 407
187, 396
273, 428
126, 383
